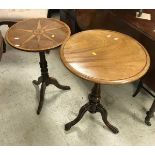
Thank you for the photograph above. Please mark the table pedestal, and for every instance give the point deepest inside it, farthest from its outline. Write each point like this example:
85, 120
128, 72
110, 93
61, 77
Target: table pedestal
45, 80
93, 106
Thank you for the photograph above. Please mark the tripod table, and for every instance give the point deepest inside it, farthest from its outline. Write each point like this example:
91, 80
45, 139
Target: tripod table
103, 57
39, 35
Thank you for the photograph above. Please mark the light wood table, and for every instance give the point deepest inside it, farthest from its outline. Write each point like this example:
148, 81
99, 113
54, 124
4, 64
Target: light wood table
39, 35
103, 57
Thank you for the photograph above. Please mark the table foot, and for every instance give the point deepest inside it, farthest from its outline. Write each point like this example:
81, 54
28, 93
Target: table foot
149, 114
147, 119
38, 82
82, 111
56, 84
44, 83
42, 94
104, 115
93, 106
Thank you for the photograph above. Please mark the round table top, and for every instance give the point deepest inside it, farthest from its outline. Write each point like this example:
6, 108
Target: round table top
38, 34
105, 56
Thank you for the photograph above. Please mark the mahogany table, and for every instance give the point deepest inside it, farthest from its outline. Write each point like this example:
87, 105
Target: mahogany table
39, 35
144, 31
103, 57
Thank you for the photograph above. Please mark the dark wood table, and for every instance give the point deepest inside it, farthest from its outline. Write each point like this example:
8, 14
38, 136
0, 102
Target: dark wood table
39, 35
103, 57
144, 32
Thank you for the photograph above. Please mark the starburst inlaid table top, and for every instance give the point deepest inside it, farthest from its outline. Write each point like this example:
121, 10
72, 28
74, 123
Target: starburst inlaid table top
37, 34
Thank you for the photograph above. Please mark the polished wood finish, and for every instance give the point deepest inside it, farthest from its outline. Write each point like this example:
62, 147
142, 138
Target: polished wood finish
10, 22
146, 27
142, 30
37, 34
104, 56
121, 20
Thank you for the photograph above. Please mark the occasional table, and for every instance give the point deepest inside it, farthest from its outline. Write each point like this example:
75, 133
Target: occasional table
39, 35
103, 57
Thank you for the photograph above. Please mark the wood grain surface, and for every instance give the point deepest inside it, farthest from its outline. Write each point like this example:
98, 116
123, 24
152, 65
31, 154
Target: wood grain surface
105, 56
37, 34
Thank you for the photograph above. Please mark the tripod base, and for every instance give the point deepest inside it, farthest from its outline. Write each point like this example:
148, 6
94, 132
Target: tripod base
44, 84
93, 106
45, 80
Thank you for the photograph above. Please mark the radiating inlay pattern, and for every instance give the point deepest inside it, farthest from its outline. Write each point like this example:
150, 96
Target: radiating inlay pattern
37, 34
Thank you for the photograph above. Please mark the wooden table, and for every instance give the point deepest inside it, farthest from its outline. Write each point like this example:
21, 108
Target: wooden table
39, 35
103, 57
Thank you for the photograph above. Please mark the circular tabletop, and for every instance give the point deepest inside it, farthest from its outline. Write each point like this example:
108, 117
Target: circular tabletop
38, 34
105, 56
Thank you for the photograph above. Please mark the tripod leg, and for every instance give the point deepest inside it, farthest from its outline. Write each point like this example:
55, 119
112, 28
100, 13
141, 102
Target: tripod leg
56, 83
48, 51
42, 94
140, 85
4, 46
104, 115
149, 114
79, 117
37, 82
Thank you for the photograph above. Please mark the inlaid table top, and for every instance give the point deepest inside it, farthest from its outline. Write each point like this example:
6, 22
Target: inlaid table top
105, 56
38, 34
